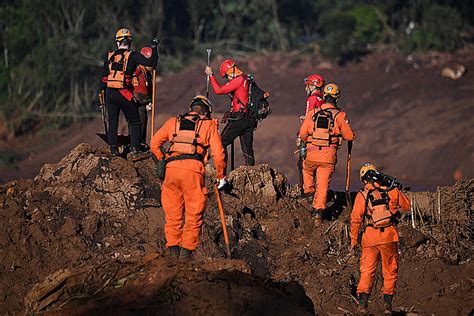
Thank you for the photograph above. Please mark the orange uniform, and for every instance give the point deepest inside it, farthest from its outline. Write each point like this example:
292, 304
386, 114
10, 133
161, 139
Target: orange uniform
183, 190
377, 243
321, 160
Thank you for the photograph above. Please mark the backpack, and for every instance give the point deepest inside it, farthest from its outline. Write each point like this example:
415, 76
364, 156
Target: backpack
117, 64
184, 141
258, 107
323, 135
377, 210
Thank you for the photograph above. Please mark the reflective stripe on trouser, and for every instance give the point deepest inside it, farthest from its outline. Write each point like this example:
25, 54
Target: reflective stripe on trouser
323, 172
388, 253
183, 193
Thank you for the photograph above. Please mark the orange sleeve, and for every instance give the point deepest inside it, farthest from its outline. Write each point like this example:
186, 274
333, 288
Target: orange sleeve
356, 217
307, 127
398, 200
161, 137
217, 150
346, 130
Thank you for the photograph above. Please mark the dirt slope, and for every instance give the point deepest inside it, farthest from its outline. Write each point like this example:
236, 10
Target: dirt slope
100, 218
410, 121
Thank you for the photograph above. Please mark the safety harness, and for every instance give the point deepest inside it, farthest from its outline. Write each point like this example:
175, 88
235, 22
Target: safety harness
377, 212
117, 64
323, 135
184, 144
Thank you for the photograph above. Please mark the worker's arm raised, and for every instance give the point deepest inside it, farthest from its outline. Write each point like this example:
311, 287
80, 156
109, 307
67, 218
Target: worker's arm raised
230, 86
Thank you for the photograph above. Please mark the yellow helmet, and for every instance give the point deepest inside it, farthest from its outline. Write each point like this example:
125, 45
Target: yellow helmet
205, 101
122, 34
366, 168
332, 90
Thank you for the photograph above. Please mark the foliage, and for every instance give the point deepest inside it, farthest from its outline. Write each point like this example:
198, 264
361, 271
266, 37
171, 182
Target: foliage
53, 50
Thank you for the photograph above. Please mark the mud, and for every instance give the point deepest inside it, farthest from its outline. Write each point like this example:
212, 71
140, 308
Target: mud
89, 230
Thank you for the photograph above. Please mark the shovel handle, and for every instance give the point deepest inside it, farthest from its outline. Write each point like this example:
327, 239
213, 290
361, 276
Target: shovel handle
224, 226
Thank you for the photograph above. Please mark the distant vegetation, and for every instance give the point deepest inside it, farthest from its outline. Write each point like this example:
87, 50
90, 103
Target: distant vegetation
52, 49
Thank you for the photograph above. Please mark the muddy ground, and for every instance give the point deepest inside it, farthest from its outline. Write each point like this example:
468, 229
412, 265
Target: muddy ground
410, 121
89, 229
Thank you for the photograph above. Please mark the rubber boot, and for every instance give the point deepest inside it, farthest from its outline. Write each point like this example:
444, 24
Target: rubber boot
387, 303
114, 151
174, 251
363, 302
185, 255
317, 216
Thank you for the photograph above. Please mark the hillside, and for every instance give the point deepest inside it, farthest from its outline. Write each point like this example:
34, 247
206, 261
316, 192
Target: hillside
86, 235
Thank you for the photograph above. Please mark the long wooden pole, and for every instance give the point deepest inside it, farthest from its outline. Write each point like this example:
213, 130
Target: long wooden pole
224, 226
153, 93
348, 174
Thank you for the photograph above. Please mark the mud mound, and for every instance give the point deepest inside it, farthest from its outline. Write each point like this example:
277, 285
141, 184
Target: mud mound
159, 286
96, 217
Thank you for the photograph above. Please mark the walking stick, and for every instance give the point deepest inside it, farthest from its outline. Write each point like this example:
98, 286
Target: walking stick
152, 130
348, 174
232, 156
221, 212
208, 64
102, 110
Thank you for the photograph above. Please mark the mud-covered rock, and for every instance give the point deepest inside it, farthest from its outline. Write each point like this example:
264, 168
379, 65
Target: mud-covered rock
162, 287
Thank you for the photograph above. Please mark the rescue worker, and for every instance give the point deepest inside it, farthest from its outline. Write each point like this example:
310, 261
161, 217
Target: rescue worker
143, 92
183, 190
322, 133
314, 86
238, 123
376, 208
118, 69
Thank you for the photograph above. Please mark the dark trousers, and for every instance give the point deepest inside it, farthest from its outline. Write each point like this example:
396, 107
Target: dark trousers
242, 128
143, 113
116, 103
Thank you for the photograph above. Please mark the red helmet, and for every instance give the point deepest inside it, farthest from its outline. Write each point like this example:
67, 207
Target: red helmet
315, 79
146, 51
226, 65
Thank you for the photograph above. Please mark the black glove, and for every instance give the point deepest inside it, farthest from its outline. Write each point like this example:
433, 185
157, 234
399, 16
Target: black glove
154, 42
161, 169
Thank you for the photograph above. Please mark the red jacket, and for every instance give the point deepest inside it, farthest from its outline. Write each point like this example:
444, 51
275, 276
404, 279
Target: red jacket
238, 86
313, 101
143, 89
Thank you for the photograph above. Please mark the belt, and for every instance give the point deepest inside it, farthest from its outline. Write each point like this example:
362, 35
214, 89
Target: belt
186, 156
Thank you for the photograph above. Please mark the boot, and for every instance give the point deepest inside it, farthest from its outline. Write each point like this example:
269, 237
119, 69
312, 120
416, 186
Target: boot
114, 151
174, 251
317, 216
185, 255
363, 302
387, 303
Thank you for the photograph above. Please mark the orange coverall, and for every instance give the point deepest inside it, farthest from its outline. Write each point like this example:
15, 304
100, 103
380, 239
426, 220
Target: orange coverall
321, 161
183, 189
377, 244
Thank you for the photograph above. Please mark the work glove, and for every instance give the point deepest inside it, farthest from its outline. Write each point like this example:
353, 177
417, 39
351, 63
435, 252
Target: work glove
222, 184
148, 106
302, 150
208, 71
154, 42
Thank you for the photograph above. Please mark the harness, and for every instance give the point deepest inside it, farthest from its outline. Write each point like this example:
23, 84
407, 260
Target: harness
184, 144
117, 64
377, 212
323, 134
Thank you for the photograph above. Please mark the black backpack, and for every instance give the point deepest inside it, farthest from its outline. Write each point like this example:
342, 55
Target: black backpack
258, 107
